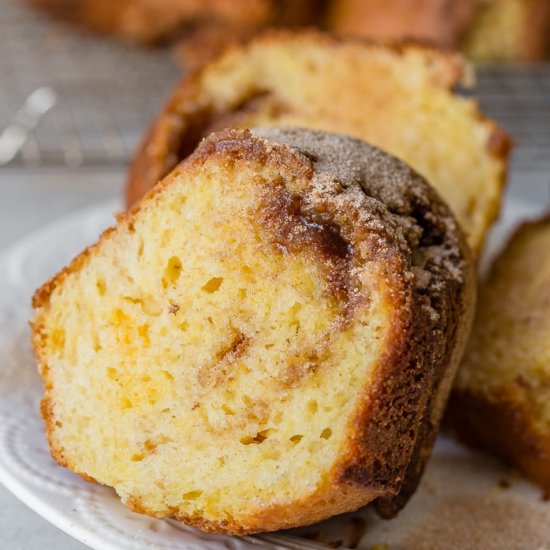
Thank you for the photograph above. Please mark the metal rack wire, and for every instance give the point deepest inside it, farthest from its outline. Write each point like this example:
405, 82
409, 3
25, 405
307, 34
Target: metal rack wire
518, 97
106, 94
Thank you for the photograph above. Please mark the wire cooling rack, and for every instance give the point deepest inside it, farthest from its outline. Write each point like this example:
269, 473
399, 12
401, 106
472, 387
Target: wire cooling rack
104, 93
96, 97
518, 97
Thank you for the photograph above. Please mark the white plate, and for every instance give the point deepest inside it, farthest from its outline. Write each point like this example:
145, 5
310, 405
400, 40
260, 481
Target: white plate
462, 501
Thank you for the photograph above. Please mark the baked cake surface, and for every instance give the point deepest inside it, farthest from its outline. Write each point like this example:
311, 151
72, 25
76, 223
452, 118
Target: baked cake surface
501, 398
266, 340
398, 99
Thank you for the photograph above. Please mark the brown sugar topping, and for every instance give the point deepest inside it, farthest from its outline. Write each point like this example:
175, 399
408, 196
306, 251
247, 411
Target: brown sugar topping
390, 199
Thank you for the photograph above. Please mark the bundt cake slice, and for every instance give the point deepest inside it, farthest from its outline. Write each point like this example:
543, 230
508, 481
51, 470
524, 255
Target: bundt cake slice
501, 397
397, 98
267, 340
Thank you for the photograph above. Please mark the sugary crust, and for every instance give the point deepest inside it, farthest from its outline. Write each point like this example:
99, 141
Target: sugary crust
188, 115
503, 420
427, 282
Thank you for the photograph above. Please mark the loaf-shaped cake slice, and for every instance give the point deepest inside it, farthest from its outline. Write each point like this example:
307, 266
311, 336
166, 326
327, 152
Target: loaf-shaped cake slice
267, 340
397, 98
501, 398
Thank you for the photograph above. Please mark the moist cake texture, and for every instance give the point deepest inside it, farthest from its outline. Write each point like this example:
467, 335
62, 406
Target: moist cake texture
266, 340
397, 98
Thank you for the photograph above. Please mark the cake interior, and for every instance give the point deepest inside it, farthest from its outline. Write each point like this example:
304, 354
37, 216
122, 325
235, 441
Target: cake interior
199, 358
397, 101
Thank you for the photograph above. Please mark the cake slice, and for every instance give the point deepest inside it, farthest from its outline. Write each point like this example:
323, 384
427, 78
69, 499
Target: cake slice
397, 98
486, 30
501, 398
267, 340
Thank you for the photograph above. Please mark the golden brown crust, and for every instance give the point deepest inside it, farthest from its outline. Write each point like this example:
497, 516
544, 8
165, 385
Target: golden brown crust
155, 21
194, 110
425, 274
442, 344
382, 431
188, 116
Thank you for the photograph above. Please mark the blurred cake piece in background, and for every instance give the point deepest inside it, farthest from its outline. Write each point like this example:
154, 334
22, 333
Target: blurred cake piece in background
443, 22
486, 30
501, 396
400, 99
510, 30
196, 45
157, 21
